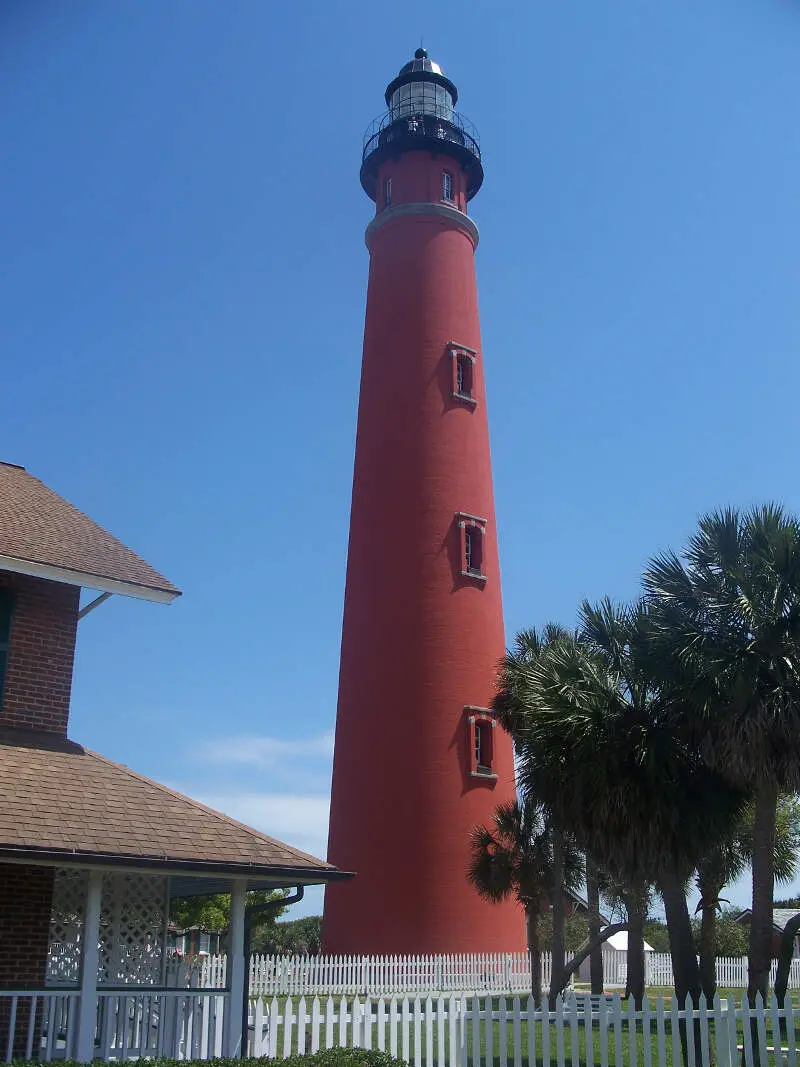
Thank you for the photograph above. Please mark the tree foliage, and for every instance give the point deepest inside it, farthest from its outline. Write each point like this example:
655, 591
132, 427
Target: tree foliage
665, 735
576, 930
300, 937
596, 729
729, 612
524, 855
730, 937
213, 913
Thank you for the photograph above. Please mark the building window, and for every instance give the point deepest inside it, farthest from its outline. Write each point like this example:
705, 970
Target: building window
6, 606
480, 745
447, 185
464, 376
462, 387
480, 737
472, 531
387, 193
473, 549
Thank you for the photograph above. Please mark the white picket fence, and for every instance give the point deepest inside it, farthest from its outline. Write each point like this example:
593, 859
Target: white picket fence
731, 972
377, 976
388, 975
509, 1032
425, 1031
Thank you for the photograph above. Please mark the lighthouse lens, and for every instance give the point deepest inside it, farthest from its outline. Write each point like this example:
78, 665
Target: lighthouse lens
422, 98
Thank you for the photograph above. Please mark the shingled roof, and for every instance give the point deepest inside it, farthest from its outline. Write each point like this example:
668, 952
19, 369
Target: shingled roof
44, 535
62, 802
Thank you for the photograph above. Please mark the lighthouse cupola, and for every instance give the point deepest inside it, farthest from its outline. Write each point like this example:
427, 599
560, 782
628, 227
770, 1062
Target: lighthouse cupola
421, 116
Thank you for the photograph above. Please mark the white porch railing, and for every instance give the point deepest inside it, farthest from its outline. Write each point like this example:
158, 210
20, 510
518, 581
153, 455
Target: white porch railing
38, 1025
173, 1023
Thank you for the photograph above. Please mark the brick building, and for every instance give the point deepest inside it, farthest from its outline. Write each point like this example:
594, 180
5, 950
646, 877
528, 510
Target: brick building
91, 852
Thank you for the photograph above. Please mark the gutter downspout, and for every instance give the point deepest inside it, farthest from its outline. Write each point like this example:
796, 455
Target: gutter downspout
250, 912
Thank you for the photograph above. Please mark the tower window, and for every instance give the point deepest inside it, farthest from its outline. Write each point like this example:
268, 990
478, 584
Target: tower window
463, 374
387, 193
480, 737
480, 744
472, 549
472, 531
6, 605
447, 185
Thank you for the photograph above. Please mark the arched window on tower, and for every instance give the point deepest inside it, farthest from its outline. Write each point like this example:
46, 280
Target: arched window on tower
480, 739
387, 193
462, 386
472, 531
447, 186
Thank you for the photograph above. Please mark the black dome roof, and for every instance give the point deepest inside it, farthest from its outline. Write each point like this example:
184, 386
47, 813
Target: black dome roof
421, 62
421, 68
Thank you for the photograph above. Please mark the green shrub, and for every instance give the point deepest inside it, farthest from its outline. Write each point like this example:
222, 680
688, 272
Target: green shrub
330, 1057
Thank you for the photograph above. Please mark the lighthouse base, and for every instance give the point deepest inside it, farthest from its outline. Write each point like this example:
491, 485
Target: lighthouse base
383, 925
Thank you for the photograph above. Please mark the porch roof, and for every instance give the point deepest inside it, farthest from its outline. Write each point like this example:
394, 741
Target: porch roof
61, 803
44, 535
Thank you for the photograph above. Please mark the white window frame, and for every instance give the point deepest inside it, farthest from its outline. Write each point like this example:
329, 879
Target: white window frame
447, 187
470, 526
460, 355
478, 720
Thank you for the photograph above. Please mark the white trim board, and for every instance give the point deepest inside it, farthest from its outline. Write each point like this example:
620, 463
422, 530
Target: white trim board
86, 581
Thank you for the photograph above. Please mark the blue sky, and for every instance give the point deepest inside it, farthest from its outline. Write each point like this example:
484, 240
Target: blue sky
182, 294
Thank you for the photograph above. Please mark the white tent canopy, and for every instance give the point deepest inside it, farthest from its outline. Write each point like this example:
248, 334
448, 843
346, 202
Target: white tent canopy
619, 942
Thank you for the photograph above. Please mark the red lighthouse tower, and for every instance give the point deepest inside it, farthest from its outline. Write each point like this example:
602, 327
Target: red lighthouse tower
418, 760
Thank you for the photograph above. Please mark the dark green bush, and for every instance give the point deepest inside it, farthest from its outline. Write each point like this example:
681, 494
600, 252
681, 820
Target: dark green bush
330, 1057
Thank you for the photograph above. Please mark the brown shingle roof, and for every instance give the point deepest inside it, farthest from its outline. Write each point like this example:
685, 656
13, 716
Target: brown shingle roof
60, 798
39, 527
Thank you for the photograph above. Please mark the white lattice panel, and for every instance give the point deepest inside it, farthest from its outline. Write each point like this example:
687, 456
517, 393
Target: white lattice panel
66, 927
132, 929
132, 922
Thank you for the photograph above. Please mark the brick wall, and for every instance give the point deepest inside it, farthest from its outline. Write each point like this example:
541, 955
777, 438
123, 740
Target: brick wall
41, 652
26, 897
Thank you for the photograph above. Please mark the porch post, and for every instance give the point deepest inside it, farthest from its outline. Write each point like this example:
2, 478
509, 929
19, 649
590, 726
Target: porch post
232, 1044
87, 1015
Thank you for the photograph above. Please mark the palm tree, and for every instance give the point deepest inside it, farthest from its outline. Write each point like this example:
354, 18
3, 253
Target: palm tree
515, 858
597, 741
509, 704
726, 861
730, 611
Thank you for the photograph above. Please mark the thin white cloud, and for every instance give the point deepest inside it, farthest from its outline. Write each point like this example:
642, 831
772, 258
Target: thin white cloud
265, 752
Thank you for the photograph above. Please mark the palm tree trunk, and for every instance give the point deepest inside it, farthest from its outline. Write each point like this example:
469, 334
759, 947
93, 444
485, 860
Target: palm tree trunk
595, 923
707, 941
558, 943
636, 904
534, 951
685, 969
763, 887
